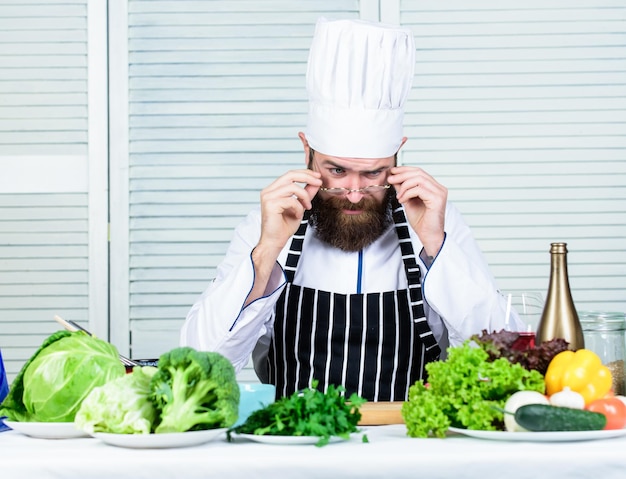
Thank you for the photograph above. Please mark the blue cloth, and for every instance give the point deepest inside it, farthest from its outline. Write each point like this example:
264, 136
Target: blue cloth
4, 389
4, 383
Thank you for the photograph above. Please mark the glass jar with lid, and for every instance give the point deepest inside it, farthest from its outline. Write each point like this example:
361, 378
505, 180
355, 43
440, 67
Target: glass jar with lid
605, 335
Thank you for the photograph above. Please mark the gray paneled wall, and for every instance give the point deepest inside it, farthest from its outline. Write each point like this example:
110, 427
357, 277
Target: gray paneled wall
216, 99
43, 162
518, 107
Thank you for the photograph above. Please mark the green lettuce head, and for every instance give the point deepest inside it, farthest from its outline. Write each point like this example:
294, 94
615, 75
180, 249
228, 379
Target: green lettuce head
56, 379
121, 406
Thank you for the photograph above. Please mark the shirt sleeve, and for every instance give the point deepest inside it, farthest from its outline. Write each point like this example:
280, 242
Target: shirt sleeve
218, 320
460, 287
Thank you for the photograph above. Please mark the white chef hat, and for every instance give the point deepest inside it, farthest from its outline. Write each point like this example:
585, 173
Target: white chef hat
358, 78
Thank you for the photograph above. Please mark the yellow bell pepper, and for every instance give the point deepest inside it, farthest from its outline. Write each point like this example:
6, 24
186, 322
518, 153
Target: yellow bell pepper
582, 371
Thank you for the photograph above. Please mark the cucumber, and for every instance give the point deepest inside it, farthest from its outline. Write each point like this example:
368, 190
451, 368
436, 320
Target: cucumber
544, 417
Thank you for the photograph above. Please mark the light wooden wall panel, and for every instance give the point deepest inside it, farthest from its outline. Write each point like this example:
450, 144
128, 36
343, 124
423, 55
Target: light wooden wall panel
519, 109
216, 97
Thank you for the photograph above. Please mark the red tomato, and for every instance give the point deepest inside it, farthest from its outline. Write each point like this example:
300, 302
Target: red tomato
613, 409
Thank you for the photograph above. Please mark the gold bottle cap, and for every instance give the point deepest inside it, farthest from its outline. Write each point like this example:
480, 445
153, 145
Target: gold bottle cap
558, 248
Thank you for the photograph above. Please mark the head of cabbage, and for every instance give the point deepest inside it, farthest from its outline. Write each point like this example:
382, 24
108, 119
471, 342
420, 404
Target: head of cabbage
53, 383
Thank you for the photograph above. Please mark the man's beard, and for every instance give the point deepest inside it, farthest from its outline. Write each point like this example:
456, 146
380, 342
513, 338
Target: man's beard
350, 232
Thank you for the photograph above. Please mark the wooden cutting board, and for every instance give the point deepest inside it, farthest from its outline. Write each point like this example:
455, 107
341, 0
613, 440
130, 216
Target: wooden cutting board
379, 413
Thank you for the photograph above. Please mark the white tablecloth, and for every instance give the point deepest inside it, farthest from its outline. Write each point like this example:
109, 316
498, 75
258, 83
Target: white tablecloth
390, 453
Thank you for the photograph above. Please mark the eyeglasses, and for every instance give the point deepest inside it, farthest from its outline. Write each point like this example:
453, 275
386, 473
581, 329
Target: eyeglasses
368, 190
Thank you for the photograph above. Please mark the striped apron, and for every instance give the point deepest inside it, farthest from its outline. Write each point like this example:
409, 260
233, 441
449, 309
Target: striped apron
375, 345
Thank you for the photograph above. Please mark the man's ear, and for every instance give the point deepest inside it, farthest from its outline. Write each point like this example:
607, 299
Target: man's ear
307, 148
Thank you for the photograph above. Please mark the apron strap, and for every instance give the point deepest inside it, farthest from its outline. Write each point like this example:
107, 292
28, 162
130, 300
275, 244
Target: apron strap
295, 249
413, 276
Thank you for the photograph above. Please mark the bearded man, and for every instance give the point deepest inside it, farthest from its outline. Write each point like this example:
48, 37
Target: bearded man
354, 271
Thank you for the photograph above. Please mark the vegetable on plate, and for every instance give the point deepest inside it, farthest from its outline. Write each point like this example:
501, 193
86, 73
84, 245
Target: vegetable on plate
121, 406
582, 371
194, 390
568, 398
517, 400
468, 390
52, 384
545, 417
309, 412
188, 390
614, 410
502, 344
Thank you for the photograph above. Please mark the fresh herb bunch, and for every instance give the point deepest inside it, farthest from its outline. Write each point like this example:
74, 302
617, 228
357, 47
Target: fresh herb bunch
466, 390
308, 412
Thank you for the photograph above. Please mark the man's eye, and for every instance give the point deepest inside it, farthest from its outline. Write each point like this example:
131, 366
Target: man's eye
337, 171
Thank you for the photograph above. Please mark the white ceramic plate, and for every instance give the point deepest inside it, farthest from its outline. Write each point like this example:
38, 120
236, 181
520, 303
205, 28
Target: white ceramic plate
46, 430
286, 440
160, 441
551, 436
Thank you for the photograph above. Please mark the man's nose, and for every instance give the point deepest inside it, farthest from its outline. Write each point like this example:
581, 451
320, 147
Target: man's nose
355, 195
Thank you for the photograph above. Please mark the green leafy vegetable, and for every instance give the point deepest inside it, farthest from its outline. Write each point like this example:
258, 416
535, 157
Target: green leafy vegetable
194, 390
121, 406
466, 390
502, 344
52, 384
309, 412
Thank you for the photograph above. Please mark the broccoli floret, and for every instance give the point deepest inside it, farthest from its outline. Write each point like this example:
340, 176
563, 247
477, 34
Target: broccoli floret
195, 390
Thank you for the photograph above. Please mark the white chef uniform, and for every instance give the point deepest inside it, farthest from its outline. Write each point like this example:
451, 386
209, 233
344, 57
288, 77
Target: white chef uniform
328, 324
